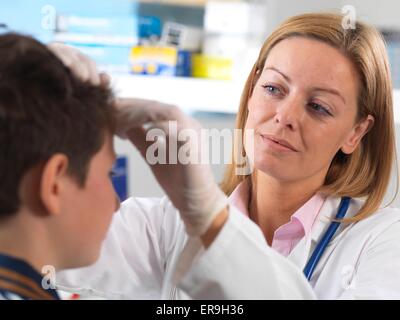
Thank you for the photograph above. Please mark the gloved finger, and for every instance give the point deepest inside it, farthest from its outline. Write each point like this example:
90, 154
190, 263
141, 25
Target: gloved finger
141, 111
132, 113
188, 143
94, 76
79, 64
70, 58
63, 52
80, 70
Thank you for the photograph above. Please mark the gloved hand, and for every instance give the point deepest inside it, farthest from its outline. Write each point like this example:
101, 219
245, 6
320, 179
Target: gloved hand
191, 187
79, 64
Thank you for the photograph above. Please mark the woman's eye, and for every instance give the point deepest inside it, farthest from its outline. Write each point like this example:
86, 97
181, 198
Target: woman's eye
319, 108
272, 90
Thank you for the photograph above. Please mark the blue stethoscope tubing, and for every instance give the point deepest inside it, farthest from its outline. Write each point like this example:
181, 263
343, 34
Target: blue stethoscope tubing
327, 237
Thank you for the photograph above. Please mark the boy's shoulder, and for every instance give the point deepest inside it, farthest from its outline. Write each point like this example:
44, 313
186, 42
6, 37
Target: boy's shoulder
20, 281
7, 295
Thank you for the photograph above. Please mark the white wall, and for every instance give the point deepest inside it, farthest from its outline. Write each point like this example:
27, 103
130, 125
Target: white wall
383, 13
280, 10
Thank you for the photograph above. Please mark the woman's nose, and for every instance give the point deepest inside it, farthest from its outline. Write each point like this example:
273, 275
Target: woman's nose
289, 113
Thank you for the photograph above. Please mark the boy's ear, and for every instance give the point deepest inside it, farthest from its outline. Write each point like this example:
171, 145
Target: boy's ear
52, 183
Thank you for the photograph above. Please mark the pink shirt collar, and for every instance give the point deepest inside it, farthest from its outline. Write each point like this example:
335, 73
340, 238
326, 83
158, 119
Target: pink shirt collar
288, 235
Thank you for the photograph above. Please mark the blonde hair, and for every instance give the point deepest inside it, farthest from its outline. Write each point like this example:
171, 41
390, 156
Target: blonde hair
365, 172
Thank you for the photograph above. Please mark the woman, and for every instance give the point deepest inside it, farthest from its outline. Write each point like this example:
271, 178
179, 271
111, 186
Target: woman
319, 100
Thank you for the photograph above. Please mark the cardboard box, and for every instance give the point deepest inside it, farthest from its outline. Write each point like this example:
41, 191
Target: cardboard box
167, 61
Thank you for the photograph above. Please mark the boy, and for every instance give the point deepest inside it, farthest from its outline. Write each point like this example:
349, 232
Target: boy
56, 195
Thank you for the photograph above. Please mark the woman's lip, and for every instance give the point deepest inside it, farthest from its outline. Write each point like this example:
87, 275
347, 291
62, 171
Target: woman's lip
278, 143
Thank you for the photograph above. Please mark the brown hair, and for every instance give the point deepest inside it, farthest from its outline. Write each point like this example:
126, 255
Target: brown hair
45, 109
365, 172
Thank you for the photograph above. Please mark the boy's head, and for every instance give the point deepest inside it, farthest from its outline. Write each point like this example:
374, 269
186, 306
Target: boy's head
56, 150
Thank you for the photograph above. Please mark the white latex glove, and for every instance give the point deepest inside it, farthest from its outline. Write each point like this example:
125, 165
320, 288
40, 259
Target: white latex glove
79, 64
191, 187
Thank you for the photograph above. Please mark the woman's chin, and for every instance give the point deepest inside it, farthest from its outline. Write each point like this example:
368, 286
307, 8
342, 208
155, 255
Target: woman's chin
274, 168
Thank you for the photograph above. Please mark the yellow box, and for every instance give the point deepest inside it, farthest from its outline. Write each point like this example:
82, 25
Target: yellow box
211, 67
153, 60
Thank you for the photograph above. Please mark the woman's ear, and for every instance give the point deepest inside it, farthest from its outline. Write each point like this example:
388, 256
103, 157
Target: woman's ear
52, 183
357, 133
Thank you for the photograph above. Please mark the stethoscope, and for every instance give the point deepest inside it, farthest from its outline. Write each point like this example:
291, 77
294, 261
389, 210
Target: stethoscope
326, 238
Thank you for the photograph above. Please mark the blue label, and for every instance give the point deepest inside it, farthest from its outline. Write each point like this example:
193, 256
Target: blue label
120, 177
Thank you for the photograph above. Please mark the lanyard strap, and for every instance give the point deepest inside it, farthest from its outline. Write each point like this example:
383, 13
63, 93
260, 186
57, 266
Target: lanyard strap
327, 237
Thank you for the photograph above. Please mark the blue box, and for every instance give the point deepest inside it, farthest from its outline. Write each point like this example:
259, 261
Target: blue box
103, 30
149, 26
184, 64
104, 25
120, 177
108, 58
36, 17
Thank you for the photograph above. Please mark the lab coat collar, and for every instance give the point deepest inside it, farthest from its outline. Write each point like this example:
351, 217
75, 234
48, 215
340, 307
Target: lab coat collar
303, 250
328, 212
325, 216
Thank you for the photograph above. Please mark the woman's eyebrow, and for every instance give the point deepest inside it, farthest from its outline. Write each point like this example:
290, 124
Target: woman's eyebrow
329, 90
280, 72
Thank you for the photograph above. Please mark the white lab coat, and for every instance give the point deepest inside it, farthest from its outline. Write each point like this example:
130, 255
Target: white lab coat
147, 251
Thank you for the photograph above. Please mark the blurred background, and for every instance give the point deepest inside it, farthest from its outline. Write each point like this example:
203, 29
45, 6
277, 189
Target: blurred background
192, 53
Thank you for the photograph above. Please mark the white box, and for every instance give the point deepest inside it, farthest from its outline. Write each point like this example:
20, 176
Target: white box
222, 45
182, 36
243, 50
235, 18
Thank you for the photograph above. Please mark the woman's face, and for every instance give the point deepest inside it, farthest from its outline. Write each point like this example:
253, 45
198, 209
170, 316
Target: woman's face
303, 110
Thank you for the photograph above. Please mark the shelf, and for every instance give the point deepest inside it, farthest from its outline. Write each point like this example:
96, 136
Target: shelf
187, 3
190, 94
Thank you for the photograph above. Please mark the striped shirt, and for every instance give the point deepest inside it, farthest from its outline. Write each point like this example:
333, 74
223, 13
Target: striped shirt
20, 281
